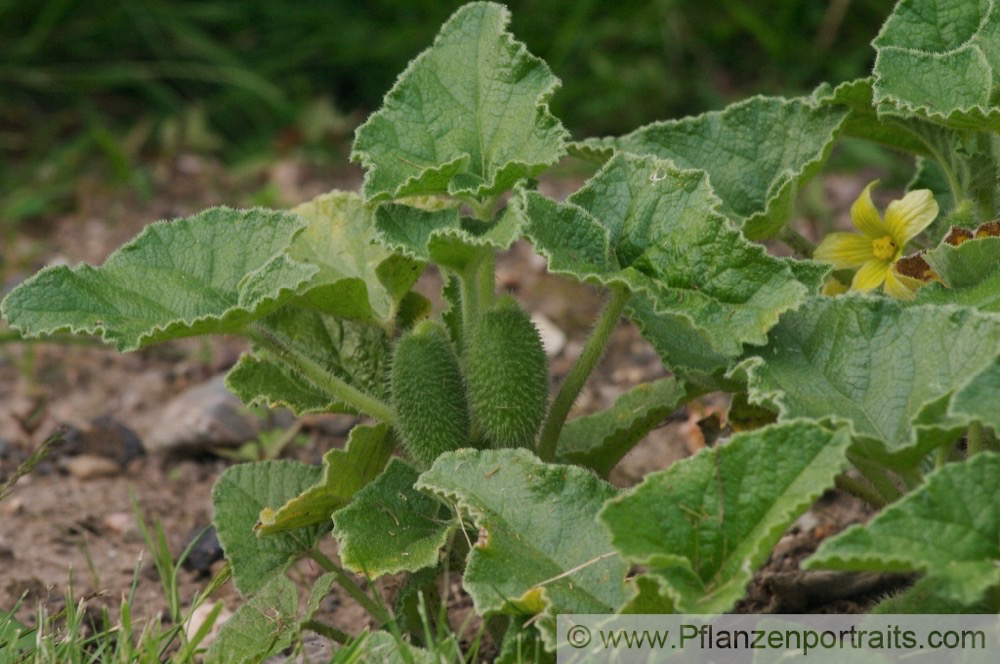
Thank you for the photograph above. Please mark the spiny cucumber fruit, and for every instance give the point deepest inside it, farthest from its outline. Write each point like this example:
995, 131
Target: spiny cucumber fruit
429, 394
507, 375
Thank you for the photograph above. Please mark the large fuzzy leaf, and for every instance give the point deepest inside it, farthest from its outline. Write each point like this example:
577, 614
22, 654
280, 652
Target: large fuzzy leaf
948, 529
213, 273
540, 549
357, 278
658, 230
599, 441
468, 117
886, 369
968, 264
390, 527
758, 153
862, 120
238, 496
940, 60
267, 623
345, 472
356, 352
705, 524
442, 236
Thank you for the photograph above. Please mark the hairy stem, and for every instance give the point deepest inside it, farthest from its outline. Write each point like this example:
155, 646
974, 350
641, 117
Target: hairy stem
319, 376
353, 589
957, 190
875, 473
592, 353
974, 439
328, 631
912, 478
469, 288
860, 490
486, 278
797, 242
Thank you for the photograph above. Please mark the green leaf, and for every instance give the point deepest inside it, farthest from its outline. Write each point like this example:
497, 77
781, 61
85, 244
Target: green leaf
863, 121
345, 472
948, 529
643, 223
267, 623
925, 597
599, 441
356, 352
357, 278
257, 381
386, 648
758, 153
940, 60
442, 236
706, 523
984, 296
540, 549
468, 117
651, 594
886, 369
238, 496
262, 626
977, 399
966, 265
213, 273
390, 527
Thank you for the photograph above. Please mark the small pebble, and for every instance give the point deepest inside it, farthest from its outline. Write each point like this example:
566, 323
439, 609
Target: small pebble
12, 506
200, 418
205, 552
88, 467
119, 523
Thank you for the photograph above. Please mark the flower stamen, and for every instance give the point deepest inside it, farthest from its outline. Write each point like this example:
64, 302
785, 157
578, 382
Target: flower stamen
884, 248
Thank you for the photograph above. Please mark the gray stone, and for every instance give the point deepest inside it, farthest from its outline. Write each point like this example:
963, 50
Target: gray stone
200, 418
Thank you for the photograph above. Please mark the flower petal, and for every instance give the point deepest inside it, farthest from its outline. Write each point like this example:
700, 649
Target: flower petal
871, 275
834, 287
901, 286
910, 215
864, 215
844, 250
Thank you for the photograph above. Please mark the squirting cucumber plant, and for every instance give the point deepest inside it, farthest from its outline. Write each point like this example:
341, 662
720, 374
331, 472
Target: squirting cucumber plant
888, 391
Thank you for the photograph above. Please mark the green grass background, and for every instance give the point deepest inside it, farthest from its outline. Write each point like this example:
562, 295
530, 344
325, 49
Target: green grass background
101, 83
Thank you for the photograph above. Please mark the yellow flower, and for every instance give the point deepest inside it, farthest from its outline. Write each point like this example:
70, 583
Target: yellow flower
881, 241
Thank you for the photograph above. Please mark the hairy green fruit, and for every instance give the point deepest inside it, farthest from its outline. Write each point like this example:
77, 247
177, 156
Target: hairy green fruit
429, 394
507, 376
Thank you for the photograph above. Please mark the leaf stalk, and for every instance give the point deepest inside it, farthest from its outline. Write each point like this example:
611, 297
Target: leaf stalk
347, 583
577, 377
321, 377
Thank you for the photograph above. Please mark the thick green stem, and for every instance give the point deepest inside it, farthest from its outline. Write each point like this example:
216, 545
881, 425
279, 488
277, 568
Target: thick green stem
592, 353
912, 478
486, 279
319, 376
328, 631
990, 441
942, 456
797, 242
974, 439
957, 191
352, 588
875, 473
469, 289
860, 490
